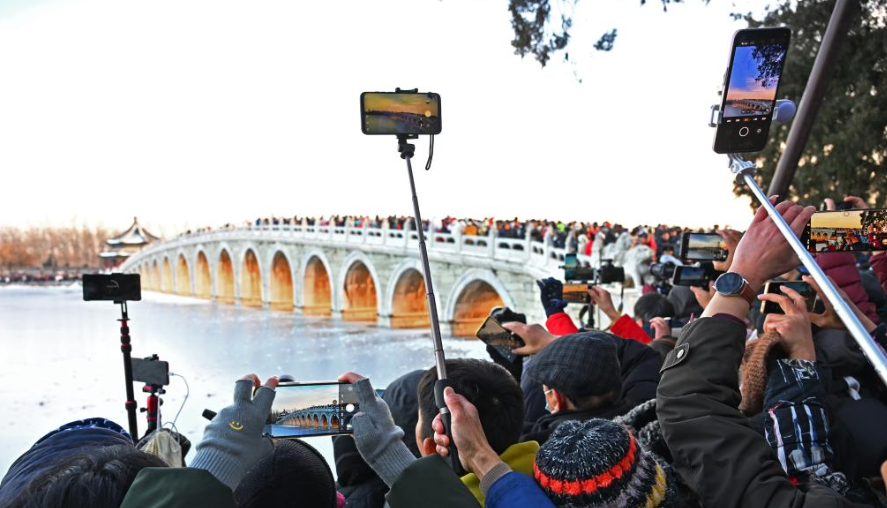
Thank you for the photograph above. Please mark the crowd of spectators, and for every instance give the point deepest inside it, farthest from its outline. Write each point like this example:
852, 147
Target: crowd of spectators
734, 408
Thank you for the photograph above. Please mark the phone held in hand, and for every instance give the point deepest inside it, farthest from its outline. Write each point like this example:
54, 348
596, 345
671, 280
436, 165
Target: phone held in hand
576, 293
772, 287
703, 247
691, 275
846, 231
309, 409
503, 341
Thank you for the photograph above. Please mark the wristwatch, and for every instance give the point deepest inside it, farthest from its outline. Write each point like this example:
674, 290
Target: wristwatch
732, 284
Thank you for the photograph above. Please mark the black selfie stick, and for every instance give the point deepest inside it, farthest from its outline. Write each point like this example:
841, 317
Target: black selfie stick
406, 152
126, 348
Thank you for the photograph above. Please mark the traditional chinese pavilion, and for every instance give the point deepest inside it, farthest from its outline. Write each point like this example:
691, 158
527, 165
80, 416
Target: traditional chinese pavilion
126, 244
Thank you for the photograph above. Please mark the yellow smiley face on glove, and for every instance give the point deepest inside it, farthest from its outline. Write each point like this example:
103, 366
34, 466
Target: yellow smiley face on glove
235, 425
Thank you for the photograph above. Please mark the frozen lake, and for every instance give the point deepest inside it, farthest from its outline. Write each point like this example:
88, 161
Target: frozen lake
60, 357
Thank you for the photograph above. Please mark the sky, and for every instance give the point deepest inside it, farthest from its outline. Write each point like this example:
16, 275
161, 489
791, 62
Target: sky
743, 84
190, 113
836, 220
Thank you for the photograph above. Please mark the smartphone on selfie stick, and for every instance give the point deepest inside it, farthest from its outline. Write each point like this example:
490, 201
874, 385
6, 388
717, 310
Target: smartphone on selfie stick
407, 114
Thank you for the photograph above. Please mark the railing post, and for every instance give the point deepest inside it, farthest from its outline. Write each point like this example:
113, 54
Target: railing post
528, 242
491, 238
431, 230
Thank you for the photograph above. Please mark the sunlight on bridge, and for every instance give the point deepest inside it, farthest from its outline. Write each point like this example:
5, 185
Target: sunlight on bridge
317, 297
225, 279
166, 277
183, 277
281, 283
473, 306
250, 281
410, 306
360, 294
155, 277
202, 279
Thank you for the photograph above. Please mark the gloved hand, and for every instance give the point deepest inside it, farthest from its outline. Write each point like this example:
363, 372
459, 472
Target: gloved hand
379, 440
233, 442
552, 293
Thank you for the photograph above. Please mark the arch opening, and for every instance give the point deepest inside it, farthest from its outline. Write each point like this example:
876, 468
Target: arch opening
323, 422
360, 294
225, 278
473, 305
155, 277
250, 281
317, 297
316, 422
166, 277
281, 284
334, 423
202, 279
183, 277
409, 308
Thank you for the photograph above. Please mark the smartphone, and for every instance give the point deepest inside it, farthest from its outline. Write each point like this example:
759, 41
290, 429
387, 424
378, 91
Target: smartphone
751, 83
847, 231
805, 290
400, 113
152, 372
576, 293
493, 334
703, 247
116, 287
574, 271
698, 276
312, 409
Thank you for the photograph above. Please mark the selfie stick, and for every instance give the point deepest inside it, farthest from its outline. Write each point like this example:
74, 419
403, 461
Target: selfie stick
406, 152
745, 173
126, 348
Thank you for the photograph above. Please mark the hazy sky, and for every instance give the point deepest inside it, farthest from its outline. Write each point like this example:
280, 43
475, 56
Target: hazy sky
743, 82
200, 112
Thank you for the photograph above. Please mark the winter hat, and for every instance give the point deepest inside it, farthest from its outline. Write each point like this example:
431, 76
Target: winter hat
293, 471
598, 463
578, 365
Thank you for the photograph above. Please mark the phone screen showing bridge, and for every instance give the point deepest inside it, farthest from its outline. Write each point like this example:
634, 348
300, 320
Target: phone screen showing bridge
754, 79
400, 113
317, 409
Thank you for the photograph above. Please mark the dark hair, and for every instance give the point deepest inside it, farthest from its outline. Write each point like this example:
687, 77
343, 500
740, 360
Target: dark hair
653, 305
493, 391
96, 477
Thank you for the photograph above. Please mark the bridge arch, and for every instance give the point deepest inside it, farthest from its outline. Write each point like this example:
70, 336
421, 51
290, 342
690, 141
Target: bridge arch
225, 277
406, 296
280, 284
473, 296
359, 289
315, 421
203, 285
324, 423
166, 283
250, 279
183, 276
317, 291
143, 278
155, 276
334, 423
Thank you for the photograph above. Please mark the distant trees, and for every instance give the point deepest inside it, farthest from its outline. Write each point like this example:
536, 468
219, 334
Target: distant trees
51, 247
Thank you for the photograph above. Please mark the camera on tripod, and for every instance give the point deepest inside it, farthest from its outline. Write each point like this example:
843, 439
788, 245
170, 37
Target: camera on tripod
607, 273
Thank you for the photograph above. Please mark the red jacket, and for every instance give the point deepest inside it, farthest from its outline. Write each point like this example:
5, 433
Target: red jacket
841, 267
879, 266
561, 324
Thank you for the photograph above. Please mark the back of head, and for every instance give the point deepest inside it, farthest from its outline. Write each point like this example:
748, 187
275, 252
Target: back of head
294, 474
95, 477
653, 305
493, 391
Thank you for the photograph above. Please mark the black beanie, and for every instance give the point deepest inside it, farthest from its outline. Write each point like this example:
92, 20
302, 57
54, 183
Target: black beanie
294, 474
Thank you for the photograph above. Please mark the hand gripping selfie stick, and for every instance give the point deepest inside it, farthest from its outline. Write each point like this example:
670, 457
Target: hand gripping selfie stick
407, 151
745, 173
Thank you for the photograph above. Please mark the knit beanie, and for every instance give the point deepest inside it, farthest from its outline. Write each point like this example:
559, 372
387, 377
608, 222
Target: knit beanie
598, 463
295, 474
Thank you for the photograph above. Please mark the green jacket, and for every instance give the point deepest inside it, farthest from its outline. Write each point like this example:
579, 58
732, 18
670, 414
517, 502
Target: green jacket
520, 457
430, 483
167, 487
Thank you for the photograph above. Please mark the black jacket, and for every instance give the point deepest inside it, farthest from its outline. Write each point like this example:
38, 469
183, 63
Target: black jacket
541, 431
715, 449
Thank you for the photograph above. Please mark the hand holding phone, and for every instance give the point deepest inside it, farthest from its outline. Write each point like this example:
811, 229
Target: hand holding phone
801, 288
312, 409
847, 231
503, 341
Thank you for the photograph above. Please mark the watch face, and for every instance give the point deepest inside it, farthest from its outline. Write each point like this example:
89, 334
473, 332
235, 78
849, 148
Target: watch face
729, 284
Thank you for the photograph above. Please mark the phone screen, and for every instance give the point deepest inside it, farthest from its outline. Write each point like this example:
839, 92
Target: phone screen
400, 113
312, 409
752, 81
113, 287
690, 276
152, 372
805, 290
576, 293
848, 230
703, 247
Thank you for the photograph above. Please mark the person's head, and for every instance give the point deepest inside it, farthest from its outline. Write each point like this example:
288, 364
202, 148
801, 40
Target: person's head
93, 477
493, 391
652, 305
570, 465
293, 474
579, 371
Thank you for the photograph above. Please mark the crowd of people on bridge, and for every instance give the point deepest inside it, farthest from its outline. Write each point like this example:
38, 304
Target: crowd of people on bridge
737, 408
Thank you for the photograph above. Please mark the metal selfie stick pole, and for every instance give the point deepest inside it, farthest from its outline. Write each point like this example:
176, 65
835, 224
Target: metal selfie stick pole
745, 173
406, 152
126, 348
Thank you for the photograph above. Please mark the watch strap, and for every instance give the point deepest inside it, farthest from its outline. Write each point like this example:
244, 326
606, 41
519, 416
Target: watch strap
747, 292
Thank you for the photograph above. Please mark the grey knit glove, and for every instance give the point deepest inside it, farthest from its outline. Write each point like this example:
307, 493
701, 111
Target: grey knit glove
232, 442
379, 440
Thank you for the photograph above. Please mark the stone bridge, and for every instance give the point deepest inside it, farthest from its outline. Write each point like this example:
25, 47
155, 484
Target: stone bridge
317, 418
356, 274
